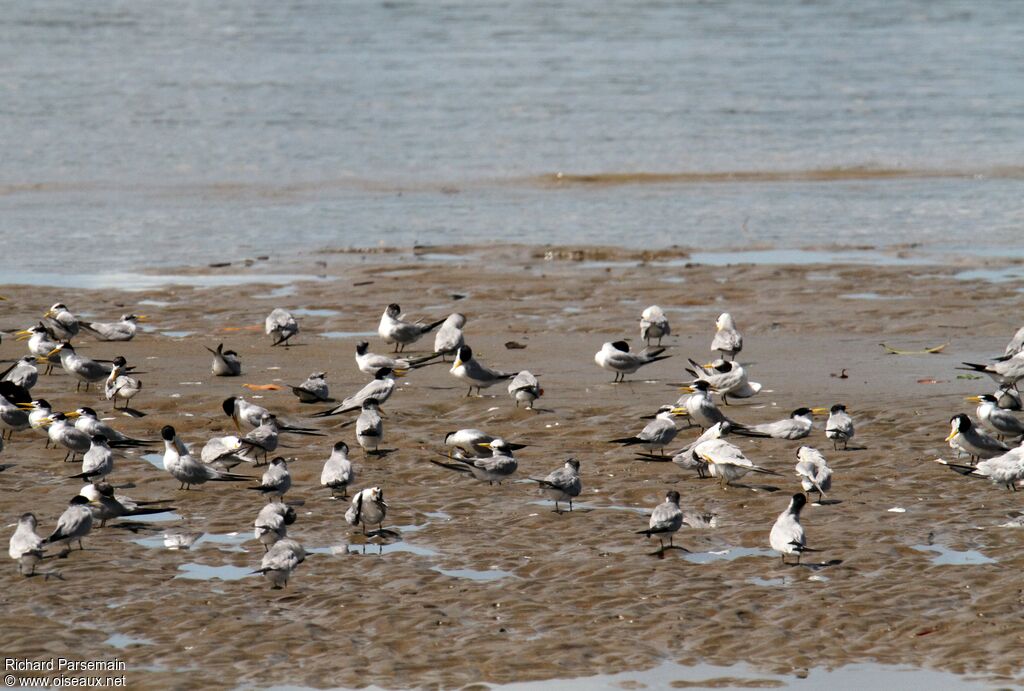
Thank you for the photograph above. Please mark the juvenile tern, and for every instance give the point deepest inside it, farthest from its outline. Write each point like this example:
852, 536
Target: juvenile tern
1002, 422
60, 323
658, 433
499, 466
338, 472
26, 547
392, 328
120, 385
379, 389
281, 325
225, 362
525, 388
123, 330
813, 471
787, 535
797, 426
615, 357
370, 426
314, 389
187, 470
839, 426
449, 337
368, 508
726, 379
562, 484
23, 373
74, 524
467, 368
84, 369
965, 437
272, 523
666, 519
654, 324
727, 340
276, 480
282, 559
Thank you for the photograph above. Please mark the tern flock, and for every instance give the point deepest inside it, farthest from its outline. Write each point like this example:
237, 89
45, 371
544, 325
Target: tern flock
715, 453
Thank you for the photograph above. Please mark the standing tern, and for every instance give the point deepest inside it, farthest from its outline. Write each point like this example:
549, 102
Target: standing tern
787, 535
965, 437
187, 470
727, 340
474, 443
276, 480
686, 458
13, 416
380, 389
63, 433
797, 426
264, 438
272, 523
106, 506
60, 323
839, 426
701, 409
726, 461
98, 461
615, 357
241, 410
314, 389
666, 519
467, 368
282, 559
26, 547
74, 524
338, 472
562, 484
86, 420
813, 471
123, 330
393, 329
225, 362
654, 324
726, 379
225, 452
281, 325
368, 508
120, 385
39, 412
1002, 422
1006, 372
41, 345
371, 363
84, 369
500, 465
370, 426
658, 433
1005, 470
23, 373
449, 337
525, 388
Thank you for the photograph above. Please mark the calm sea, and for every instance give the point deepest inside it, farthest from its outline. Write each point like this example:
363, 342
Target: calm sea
143, 133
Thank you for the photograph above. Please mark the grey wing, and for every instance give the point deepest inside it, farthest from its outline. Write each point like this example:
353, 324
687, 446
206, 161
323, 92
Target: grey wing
666, 517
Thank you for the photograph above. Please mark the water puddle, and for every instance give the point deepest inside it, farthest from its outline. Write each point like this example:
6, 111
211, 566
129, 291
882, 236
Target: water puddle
473, 574
797, 256
176, 334
136, 282
121, 641
869, 296
348, 334
228, 542
946, 556
282, 292
205, 572
310, 312
1012, 273
768, 582
154, 459
728, 554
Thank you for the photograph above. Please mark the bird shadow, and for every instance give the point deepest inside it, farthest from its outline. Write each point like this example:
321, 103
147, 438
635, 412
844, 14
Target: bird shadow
381, 453
660, 553
818, 566
132, 412
756, 488
827, 502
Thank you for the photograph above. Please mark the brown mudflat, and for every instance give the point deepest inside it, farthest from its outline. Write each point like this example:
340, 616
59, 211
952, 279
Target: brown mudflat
487, 583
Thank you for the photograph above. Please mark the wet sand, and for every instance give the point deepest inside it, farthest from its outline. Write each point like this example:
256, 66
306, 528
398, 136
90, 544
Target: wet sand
487, 584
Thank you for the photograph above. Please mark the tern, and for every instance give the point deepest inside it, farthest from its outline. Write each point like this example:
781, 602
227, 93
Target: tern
272, 523
562, 484
370, 426
105, 505
281, 325
225, 362
1002, 422
393, 329
499, 466
26, 547
123, 330
659, 433
41, 345
281, 561
379, 389
84, 369
467, 368
368, 508
666, 519
187, 470
449, 337
725, 378
241, 410
74, 524
797, 426
338, 472
314, 389
654, 324
813, 471
23, 373
474, 442
276, 480
787, 535
60, 323
615, 357
120, 385
525, 388
726, 461
965, 437
728, 340
839, 426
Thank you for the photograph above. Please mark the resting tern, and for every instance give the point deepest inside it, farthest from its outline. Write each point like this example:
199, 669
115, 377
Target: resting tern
23, 373
500, 465
281, 325
13, 416
562, 484
686, 458
120, 385
467, 368
241, 410
63, 433
105, 505
60, 323
41, 345
654, 324
1006, 372
727, 340
615, 357
371, 363
658, 433
787, 536
700, 407
84, 369
39, 412
813, 471
666, 519
98, 461
282, 559
187, 470
726, 461
370, 426
264, 438
449, 337
338, 472
965, 437
797, 426
272, 523
314, 389
726, 379
225, 362
839, 426
1002, 422
402, 333
474, 443
1006, 469
26, 547
380, 389
88, 421
226, 452
123, 330
368, 508
74, 524
524, 388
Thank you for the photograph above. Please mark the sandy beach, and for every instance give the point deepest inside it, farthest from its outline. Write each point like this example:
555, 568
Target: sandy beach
486, 583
